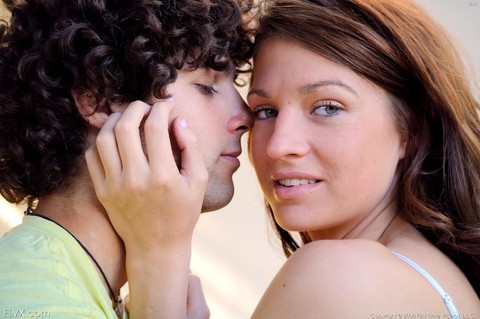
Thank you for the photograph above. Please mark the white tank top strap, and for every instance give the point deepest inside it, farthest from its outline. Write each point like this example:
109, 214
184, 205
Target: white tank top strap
445, 296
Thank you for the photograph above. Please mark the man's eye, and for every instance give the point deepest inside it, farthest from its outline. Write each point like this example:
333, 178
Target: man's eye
206, 89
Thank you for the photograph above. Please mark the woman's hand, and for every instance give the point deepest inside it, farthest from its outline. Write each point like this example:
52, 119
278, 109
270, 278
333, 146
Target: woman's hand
149, 200
152, 202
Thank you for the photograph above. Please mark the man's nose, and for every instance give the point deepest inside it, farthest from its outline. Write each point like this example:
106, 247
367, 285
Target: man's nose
241, 120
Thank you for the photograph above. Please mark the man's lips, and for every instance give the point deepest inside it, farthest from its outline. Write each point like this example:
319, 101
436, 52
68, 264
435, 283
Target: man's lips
235, 153
232, 157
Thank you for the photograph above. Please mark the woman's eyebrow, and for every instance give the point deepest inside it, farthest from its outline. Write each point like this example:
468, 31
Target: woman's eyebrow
308, 88
259, 92
312, 87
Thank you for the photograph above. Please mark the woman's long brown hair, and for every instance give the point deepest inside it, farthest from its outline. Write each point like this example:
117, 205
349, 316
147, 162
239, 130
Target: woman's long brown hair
397, 46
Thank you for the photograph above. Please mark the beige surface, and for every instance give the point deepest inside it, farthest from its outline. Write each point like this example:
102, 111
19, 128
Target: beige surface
233, 253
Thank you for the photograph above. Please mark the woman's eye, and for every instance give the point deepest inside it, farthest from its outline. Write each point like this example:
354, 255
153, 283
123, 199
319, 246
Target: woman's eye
264, 113
328, 109
206, 89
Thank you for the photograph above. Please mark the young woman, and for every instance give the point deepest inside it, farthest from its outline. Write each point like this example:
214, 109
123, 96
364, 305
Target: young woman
381, 177
366, 142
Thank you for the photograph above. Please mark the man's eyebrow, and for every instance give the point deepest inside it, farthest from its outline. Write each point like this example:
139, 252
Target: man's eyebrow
230, 69
308, 88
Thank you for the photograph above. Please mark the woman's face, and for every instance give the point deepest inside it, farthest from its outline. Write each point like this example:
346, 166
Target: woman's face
324, 144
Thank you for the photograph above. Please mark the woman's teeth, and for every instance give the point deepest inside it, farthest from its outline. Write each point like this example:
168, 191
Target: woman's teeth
296, 182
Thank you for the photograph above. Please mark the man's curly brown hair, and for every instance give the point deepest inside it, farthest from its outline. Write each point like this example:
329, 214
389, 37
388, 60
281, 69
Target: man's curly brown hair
120, 50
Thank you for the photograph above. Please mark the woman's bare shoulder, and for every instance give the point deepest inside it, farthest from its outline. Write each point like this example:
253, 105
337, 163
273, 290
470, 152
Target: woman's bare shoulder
347, 279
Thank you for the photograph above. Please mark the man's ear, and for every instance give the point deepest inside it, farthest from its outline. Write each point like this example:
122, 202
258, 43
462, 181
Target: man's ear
94, 110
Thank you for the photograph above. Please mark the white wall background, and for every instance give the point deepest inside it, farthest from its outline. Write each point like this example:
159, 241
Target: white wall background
234, 253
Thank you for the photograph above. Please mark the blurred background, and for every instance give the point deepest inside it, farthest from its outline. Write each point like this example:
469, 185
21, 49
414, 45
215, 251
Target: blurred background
234, 252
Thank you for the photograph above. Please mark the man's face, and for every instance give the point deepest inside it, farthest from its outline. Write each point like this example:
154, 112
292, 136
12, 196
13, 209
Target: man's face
217, 114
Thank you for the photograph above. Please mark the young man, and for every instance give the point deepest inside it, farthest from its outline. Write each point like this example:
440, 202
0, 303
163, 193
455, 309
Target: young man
67, 69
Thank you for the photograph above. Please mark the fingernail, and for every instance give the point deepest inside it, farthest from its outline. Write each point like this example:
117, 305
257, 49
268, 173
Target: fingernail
183, 123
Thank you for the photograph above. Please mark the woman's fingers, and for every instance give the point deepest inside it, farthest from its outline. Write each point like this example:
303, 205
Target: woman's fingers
139, 184
106, 149
120, 149
157, 139
128, 139
192, 161
159, 147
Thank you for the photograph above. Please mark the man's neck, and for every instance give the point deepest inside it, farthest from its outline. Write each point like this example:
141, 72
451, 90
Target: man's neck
79, 211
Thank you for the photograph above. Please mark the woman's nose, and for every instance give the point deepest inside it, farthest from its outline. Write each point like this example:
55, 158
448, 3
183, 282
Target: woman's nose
288, 136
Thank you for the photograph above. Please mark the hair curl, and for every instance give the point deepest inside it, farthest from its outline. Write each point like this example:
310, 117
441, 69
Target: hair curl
119, 50
394, 44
